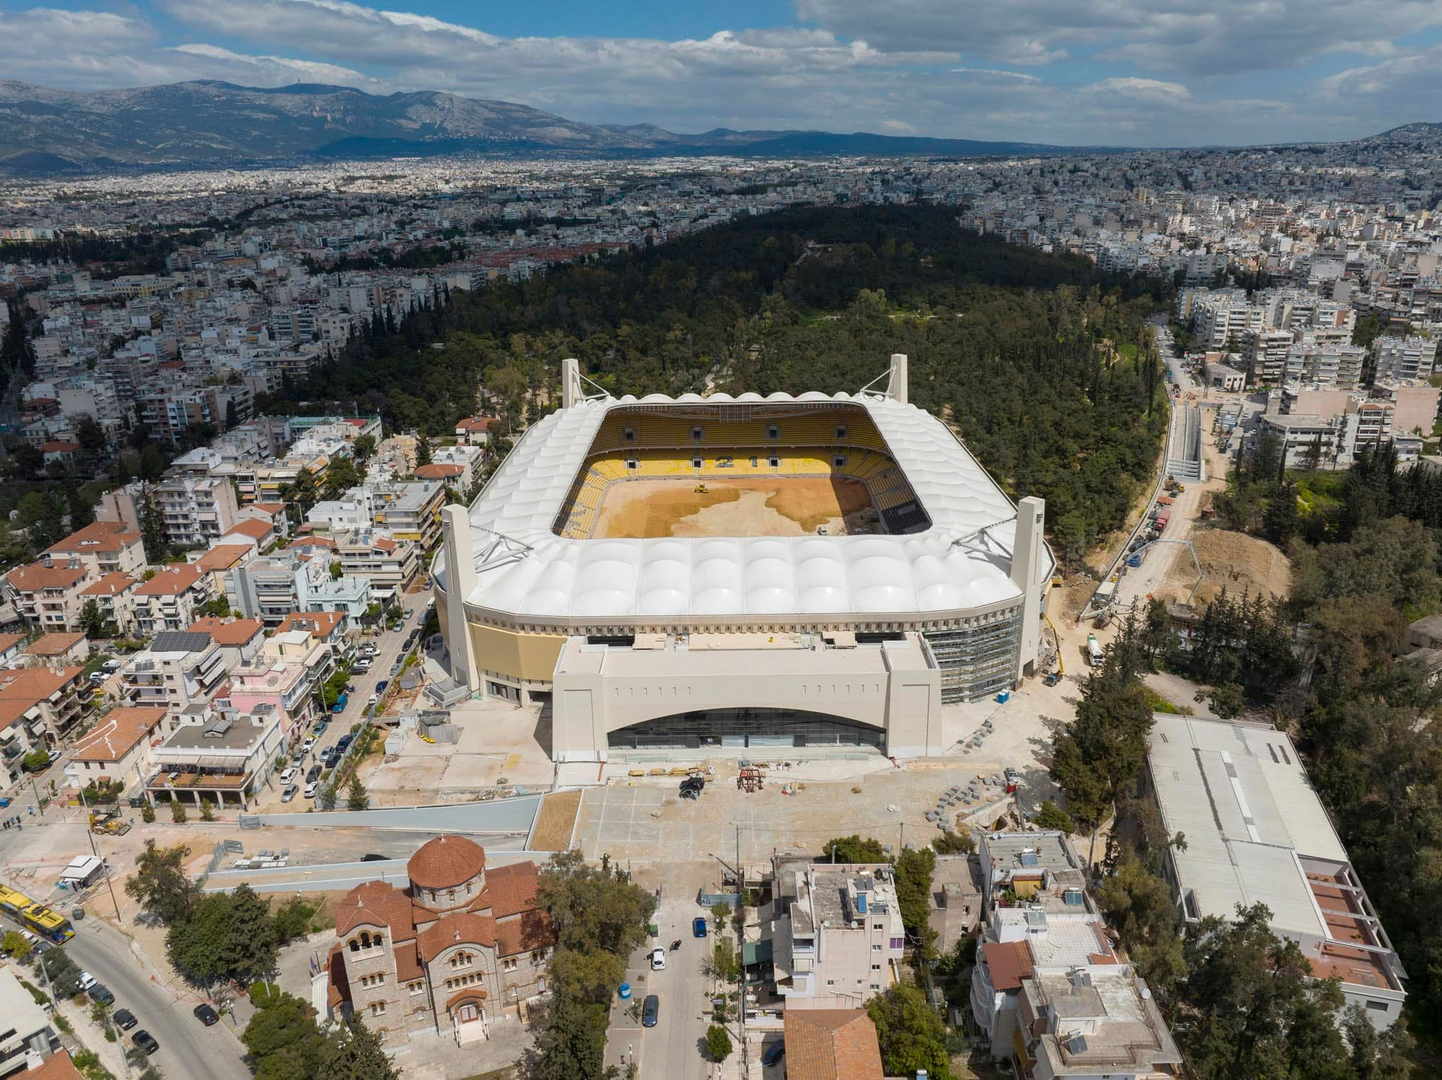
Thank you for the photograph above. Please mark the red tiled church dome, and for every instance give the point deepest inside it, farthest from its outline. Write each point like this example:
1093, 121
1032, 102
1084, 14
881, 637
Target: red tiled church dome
446, 862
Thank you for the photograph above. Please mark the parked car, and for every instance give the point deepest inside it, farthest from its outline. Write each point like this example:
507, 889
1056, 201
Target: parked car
698, 926
311, 787
101, 993
145, 1041
124, 1019
658, 959
1013, 780
287, 776
375, 699
650, 1011
309, 742
289, 793
373, 857
54, 756
774, 1053
87, 980
320, 728
205, 1014
343, 743
381, 686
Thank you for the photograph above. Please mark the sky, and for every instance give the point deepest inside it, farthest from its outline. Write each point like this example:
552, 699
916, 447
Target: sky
1088, 72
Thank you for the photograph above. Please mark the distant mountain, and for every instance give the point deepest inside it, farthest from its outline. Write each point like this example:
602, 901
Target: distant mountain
210, 123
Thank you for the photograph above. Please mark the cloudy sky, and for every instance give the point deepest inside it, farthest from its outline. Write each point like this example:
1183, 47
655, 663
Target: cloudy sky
1116, 72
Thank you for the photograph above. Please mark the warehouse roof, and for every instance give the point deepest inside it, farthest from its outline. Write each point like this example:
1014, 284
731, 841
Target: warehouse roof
913, 574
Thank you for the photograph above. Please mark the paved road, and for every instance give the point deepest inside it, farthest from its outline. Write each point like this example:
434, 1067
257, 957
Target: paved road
347, 875
389, 645
503, 816
187, 1047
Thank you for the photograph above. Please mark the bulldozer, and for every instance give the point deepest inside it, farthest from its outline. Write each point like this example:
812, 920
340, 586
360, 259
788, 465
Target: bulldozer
700, 489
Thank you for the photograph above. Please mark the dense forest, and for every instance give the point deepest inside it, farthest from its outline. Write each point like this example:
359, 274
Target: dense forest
1044, 365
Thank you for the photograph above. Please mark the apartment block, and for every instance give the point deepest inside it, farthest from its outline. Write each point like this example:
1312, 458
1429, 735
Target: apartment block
389, 563
116, 749
218, 754
837, 938
48, 597
102, 547
177, 670
1410, 357
171, 599
271, 588
410, 510
114, 595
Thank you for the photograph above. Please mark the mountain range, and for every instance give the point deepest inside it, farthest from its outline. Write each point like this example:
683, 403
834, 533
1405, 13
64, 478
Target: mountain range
208, 123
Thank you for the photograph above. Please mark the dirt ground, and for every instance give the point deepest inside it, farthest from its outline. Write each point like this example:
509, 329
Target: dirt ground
752, 506
557, 819
1234, 561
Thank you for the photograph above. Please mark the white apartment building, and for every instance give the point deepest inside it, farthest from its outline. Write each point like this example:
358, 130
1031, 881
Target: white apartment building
1403, 357
273, 587
177, 670
1325, 365
27, 1030
837, 937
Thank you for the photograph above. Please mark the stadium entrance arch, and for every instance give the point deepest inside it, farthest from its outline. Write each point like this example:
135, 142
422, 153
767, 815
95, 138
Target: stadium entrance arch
745, 729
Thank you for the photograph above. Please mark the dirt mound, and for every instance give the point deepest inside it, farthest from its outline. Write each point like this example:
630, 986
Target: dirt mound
1230, 560
754, 506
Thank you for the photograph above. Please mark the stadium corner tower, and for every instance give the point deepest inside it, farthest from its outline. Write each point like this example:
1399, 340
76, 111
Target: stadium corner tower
720, 574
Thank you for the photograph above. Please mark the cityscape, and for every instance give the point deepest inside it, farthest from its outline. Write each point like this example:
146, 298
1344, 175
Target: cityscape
494, 596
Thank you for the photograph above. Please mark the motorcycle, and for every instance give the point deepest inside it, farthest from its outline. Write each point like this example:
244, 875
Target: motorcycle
675, 944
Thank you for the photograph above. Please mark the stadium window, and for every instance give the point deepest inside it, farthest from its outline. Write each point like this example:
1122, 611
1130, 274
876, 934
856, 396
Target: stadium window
773, 432
776, 463
696, 434
633, 464
753, 462
839, 461
629, 434
841, 431
695, 463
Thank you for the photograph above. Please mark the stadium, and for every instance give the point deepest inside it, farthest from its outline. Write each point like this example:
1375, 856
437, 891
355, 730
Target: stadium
725, 573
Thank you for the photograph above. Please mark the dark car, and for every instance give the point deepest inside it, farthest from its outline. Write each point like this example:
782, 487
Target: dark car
692, 787
124, 1019
698, 926
381, 686
145, 1041
774, 1053
343, 744
373, 857
101, 993
205, 1014
650, 1011
313, 775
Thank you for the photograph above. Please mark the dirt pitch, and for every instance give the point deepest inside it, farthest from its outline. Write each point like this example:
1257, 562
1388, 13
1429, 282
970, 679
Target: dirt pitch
753, 506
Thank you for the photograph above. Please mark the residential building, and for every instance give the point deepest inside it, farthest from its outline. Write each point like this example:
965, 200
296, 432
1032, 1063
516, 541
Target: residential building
388, 563
219, 561
954, 910
328, 628
284, 684
11, 648
28, 1037
114, 595
179, 669
197, 510
461, 948
102, 547
831, 1044
39, 707
1257, 833
238, 639
58, 649
1411, 357
218, 754
117, 748
348, 595
259, 532
475, 430
410, 510
48, 597
273, 587
171, 599
837, 936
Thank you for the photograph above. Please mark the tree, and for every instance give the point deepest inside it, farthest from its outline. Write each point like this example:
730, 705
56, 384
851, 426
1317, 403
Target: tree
152, 526
364, 448
1139, 905
62, 972
353, 1052
1226, 700
589, 976
954, 843
226, 935
160, 884
340, 477
1103, 748
207, 809
284, 1041
910, 1033
853, 849
92, 620
571, 1043
327, 796
1050, 816
423, 450
15, 946
914, 869
292, 920
594, 907
355, 795
177, 811
218, 608
718, 1043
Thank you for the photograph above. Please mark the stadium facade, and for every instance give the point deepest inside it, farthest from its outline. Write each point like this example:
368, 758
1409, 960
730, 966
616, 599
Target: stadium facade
855, 635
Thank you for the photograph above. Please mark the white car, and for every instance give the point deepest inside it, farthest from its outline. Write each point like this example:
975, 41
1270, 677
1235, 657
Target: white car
658, 959
87, 980
375, 699
287, 776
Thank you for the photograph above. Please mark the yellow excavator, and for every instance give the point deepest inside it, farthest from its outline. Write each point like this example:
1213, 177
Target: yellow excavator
700, 489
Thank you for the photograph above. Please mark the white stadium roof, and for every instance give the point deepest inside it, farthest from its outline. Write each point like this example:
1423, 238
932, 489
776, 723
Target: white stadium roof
944, 570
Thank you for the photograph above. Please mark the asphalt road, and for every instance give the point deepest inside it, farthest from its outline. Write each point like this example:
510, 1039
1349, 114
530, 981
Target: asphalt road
187, 1047
389, 645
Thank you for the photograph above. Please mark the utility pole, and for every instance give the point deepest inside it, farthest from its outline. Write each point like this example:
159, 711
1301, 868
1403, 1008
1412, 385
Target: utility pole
90, 833
38, 804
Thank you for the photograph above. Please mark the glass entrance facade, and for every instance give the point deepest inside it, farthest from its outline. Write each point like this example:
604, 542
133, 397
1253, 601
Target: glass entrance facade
741, 729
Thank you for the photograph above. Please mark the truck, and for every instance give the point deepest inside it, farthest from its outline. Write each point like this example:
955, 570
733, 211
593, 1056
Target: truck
1094, 651
1162, 519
